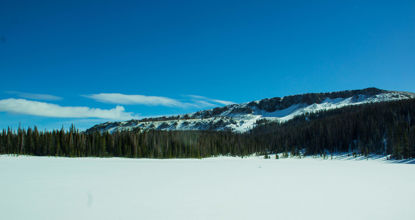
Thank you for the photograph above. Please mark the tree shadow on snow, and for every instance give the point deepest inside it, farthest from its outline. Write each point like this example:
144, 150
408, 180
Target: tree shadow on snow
405, 161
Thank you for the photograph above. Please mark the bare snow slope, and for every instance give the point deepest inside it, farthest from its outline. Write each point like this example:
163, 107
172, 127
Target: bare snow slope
243, 117
47, 188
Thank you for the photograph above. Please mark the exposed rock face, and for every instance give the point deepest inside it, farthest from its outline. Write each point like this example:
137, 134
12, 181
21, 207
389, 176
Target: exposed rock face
243, 117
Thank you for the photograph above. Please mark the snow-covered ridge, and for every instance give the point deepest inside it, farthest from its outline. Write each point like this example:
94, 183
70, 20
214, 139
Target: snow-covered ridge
243, 117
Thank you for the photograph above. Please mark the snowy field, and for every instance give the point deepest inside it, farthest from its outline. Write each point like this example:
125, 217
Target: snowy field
215, 188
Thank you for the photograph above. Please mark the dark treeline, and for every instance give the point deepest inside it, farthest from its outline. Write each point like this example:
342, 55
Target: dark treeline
150, 144
381, 128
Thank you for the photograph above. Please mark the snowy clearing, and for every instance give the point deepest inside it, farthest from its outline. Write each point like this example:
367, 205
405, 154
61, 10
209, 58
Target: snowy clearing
215, 188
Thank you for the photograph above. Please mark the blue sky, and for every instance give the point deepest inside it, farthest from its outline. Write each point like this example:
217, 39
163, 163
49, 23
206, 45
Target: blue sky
86, 62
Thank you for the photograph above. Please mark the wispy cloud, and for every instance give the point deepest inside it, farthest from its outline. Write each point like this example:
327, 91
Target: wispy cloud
118, 98
28, 107
191, 101
209, 100
202, 104
36, 96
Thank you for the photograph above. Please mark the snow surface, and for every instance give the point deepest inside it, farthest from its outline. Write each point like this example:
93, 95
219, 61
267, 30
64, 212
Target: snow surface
214, 188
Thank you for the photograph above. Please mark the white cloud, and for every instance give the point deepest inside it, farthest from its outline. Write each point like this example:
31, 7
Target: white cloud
202, 104
27, 107
195, 102
223, 102
44, 97
118, 98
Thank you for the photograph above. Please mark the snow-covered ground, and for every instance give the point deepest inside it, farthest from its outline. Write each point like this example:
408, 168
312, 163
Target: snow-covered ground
215, 188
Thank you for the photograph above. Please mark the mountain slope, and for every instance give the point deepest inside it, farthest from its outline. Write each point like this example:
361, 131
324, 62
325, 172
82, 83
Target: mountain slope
243, 117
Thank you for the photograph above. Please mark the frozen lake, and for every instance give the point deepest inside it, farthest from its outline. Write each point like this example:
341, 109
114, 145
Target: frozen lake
216, 188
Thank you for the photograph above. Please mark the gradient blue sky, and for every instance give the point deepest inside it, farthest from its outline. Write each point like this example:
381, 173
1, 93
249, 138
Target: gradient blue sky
73, 53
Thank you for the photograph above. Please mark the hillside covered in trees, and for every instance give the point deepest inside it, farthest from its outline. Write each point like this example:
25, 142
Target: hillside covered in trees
380, 128
243, 117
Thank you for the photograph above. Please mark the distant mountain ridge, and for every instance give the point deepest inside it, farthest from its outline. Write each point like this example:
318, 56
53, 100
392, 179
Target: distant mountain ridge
243, 117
